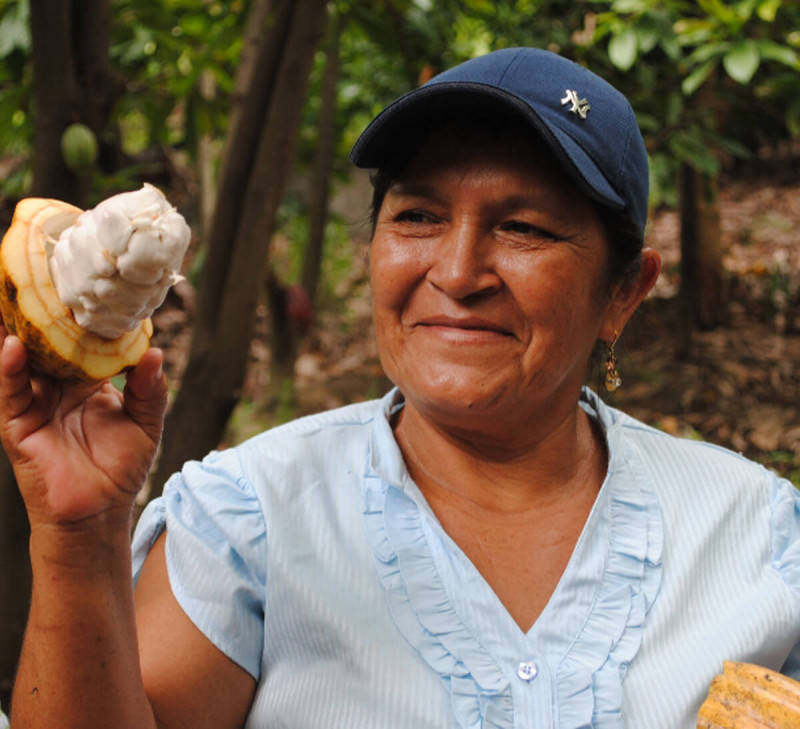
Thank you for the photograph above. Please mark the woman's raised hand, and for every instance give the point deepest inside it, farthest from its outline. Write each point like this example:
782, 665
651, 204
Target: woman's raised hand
78, 450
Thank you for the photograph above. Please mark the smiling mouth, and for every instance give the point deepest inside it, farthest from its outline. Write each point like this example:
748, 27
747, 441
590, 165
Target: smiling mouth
464, 327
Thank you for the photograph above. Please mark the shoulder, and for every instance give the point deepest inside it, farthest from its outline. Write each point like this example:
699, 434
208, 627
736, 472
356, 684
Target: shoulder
308, 452
698, 485
688, 461
715, 494
316, 434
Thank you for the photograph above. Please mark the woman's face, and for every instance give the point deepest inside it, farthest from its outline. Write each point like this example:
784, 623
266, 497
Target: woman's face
489, 282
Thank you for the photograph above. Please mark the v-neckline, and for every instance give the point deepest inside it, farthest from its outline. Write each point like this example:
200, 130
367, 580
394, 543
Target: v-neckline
593, 620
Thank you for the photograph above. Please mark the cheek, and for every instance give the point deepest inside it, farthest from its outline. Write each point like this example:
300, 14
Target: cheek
565, 294
394, 272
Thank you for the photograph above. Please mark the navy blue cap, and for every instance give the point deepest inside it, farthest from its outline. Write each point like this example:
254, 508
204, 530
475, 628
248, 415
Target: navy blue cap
586, 122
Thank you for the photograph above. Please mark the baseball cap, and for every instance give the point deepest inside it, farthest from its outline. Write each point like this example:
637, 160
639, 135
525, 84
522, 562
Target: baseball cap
588, 125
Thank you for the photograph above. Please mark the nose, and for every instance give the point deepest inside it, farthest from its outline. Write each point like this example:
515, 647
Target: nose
462, 265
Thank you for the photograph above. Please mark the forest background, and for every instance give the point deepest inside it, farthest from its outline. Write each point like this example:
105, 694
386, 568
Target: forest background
243, 112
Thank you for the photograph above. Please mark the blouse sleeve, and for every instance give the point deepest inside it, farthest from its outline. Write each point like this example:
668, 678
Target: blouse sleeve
785, 528
216, 553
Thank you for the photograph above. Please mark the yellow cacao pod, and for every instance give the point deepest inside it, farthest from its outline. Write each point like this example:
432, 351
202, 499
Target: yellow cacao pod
746, 696
32, 309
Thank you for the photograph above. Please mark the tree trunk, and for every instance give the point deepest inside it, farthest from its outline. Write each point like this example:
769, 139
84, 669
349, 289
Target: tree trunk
72, 82
251, 190
206, 157
703, 300
323, 161
237, 165
261, 18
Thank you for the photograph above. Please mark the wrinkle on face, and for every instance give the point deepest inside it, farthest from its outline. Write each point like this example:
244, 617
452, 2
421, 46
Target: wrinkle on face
457, 236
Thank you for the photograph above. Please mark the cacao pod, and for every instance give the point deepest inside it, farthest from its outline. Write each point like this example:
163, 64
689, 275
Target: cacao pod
78, 147
33, 311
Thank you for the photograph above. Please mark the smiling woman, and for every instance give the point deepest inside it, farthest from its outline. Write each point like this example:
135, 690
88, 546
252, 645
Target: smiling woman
475, 245
489, 546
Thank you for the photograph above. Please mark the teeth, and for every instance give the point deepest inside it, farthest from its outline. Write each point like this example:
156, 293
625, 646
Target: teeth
118, 259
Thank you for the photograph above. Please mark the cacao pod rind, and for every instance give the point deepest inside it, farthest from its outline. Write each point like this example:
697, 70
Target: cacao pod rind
746, 696
32, 310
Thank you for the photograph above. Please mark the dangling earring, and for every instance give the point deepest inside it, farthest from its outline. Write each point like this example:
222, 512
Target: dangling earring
613, 380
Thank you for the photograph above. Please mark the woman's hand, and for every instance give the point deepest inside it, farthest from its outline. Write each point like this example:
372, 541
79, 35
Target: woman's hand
78, 451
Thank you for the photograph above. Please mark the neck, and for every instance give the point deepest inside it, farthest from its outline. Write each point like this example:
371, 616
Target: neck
561, 459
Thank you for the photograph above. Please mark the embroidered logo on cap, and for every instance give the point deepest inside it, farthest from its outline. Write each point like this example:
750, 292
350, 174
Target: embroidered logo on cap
579, 106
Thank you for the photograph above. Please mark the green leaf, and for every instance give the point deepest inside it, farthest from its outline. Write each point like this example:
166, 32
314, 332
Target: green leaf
691, 148
692, 32
647, 38
629, 6
768, 9
742, 61
194, 25
722, 12
793, 118
745, 9
737, 149
674, 108
622, 49
14, 30
771, 51
698, 77
648, 123
707, 51
671, 48
483, 7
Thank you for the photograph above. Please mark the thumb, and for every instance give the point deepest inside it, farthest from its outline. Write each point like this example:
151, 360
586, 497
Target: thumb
145, 395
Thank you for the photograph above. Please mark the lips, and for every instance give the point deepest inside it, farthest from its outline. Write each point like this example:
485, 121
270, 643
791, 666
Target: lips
464, 325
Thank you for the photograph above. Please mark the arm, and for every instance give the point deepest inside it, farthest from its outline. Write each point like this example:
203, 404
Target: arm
180, 664
80, 455
79, 665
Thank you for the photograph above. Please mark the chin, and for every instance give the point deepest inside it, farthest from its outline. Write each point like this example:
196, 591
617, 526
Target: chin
457, 396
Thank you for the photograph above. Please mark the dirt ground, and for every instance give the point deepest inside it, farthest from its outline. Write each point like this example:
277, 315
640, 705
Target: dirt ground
739, 387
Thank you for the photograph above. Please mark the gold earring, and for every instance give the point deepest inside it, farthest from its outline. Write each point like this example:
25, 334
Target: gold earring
613, 380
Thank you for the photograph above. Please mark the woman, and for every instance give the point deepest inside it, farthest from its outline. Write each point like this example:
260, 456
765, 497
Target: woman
489, 545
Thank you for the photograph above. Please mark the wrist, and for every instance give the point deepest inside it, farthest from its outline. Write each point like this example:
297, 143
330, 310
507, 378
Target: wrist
99, 544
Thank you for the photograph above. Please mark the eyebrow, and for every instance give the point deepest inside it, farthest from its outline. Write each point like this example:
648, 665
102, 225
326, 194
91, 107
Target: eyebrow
516, 202
412, 189
421, 189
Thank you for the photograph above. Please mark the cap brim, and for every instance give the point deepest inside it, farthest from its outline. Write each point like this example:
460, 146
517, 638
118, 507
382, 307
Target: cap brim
402, 124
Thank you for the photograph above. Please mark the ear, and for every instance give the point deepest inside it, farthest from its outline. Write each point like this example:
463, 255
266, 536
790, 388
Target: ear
628, 295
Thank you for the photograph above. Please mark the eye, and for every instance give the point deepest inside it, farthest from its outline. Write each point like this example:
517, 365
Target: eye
415, 216
528, 230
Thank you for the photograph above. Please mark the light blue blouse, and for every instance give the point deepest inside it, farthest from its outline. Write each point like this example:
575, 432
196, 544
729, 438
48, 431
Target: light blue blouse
309, 557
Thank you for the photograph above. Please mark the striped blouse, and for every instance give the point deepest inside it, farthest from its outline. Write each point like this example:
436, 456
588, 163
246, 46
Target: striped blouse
309, 557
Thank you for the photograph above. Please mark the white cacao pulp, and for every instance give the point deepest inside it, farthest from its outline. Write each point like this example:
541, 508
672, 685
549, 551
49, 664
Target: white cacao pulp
114, 265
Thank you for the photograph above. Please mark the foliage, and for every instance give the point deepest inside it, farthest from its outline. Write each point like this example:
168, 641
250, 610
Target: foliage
15, 86
727, 74
163, 47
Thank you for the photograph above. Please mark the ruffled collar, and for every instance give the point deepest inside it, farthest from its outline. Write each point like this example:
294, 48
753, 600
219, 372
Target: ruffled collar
586, 636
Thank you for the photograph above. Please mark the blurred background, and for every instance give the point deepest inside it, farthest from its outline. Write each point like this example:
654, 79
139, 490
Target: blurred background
243, 113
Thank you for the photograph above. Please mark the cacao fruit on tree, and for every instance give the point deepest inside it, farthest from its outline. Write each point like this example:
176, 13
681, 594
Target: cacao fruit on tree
78, 147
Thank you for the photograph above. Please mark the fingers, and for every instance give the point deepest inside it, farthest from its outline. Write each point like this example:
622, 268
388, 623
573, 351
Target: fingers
145, 395
16, 392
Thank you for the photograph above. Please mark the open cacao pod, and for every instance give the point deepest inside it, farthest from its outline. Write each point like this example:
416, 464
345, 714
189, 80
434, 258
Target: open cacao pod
32, 309
746, 696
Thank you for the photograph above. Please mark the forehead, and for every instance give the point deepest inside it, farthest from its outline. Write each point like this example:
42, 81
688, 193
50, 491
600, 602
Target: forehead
493, 162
